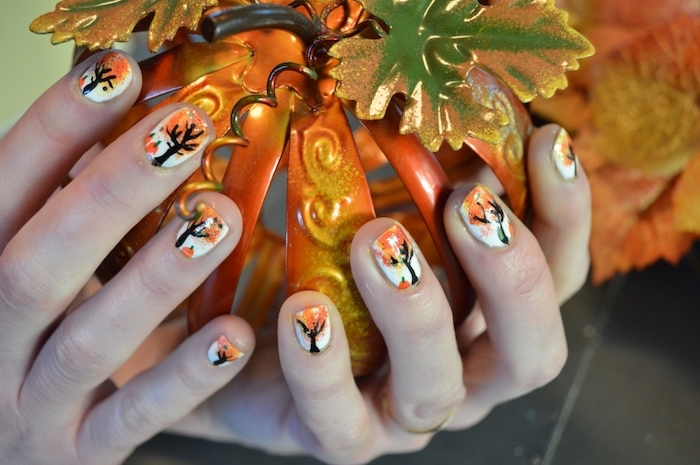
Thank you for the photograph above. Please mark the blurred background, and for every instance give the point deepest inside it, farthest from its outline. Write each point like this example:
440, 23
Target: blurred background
30, 63
630, 392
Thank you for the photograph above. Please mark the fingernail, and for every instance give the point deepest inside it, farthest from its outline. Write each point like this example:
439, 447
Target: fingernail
106, 79
198, 237
176, 138
313, 328
485, 218
395, 254
564, 157
222, 352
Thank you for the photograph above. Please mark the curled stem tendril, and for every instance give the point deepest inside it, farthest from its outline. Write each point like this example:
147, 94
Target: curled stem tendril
270, 98
210, 183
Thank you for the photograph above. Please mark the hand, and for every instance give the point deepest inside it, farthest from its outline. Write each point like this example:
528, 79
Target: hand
291, 399
56, 403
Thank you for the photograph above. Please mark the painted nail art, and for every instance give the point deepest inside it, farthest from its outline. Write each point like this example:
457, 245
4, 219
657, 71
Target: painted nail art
107, 78
564, 157
176, 138
485, 218
395, 256
199, 236
313, 328
222, 352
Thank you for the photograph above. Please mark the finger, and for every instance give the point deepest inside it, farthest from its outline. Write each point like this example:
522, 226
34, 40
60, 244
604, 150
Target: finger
101, 334
315, 361
410, 309
160, 396
57, 129
524, 346
562, 208
55, 253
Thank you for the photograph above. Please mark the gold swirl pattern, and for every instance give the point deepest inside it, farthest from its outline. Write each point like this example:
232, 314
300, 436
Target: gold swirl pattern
326, 180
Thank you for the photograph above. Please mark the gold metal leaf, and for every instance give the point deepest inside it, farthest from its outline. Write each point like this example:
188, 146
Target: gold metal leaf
99, 23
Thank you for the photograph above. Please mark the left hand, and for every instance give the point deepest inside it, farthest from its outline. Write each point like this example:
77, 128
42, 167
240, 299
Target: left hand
290, 401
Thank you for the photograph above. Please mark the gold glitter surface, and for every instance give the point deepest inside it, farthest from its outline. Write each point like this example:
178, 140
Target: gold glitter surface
328, 200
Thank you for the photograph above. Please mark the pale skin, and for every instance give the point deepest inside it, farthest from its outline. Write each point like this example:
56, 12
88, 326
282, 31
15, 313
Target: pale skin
59, 406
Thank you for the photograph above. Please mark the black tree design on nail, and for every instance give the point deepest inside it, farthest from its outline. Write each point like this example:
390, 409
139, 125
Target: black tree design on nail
223, 358
197, 229
313, 333
572, 156
100, 71
498, 214
406, 254
176, 144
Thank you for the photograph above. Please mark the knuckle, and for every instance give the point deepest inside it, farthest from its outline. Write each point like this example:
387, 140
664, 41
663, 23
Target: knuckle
134, 418
549, 366
549, 369
20, 287
429, 321
102, 188
48, 122
342, 441
74, 361
436, 411
194, 383
159, 284
528, 274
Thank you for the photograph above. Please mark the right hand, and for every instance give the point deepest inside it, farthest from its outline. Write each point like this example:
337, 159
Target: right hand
57, 405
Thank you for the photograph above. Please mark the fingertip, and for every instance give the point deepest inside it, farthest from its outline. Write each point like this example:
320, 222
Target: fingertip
562, 210
315, 360
501, 250
558, 182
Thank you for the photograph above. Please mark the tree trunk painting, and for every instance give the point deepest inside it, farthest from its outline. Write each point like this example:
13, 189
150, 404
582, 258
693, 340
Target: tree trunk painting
177, 138
197, 237
485, 218
395, 255
313, 329
107, 78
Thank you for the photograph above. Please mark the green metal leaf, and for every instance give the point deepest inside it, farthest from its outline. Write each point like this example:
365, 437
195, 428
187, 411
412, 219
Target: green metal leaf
430, 49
